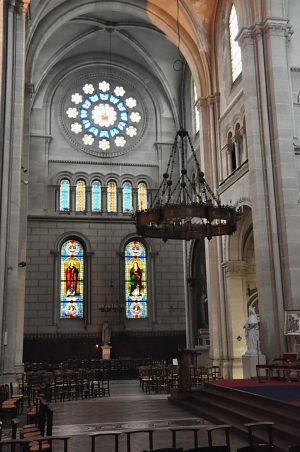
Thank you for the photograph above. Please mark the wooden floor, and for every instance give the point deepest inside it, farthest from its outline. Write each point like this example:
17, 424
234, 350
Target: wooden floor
127, 408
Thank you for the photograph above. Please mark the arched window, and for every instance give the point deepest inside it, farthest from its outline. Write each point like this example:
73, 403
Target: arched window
235, 51
96, 196
231, 153
80, 195
127, 197
240, 145
64, 195
142, 196
72, 273
136, 280
196, 111
111, 196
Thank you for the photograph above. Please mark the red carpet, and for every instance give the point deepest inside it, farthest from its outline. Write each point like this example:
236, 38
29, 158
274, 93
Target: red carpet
286, 391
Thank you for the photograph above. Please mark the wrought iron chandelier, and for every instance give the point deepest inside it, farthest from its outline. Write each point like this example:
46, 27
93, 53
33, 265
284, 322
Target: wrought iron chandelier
185, 208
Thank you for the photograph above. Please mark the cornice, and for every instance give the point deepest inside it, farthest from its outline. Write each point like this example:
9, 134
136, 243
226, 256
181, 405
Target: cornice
90, 162
272, 27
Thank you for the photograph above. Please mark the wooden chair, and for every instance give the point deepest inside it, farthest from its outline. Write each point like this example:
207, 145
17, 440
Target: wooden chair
133, 432
23, 444
95, 435
259, 447
213, 448
195, 431
45, 443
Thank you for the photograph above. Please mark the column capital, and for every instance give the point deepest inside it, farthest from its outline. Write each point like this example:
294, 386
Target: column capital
278, 27
235, 268
21, 6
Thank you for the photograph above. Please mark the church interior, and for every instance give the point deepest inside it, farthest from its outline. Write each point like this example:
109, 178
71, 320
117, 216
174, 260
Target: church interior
96, 98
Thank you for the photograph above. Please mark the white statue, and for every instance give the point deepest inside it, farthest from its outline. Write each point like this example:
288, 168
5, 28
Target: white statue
252, 333
106, 333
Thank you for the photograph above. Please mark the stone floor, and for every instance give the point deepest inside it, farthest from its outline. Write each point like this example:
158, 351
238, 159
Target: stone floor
127, 408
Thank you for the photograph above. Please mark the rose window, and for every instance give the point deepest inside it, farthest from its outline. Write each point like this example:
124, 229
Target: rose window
104, 117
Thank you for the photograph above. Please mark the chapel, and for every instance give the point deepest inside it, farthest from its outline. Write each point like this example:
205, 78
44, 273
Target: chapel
93, 93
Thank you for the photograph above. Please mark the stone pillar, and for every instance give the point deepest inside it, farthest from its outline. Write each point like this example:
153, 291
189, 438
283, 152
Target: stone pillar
13, 219
272, 171
235, 289
213, 250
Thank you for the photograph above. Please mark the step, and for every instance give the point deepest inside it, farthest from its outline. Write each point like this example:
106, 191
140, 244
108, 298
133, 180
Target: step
237, 408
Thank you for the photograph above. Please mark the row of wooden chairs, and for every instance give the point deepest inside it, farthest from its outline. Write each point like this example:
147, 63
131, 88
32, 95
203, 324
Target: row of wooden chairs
158, 379
43, 443
10, 404
62, 385
199, 375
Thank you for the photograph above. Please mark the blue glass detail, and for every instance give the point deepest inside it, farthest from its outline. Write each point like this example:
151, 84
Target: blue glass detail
104, 134
114, 132
64, 195
104, 96
83, 114
124, 116
96, 196
127, 197
113, 99
121, 125
86, 123
121, 106
94, 98
94, 131
86, 104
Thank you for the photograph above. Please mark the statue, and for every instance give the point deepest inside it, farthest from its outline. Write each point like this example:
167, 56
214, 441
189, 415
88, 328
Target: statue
106, 333
252, 333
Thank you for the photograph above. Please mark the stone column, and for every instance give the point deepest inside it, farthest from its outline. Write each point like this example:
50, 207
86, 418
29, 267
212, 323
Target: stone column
272, 170
213, 249
235, 289
13, 220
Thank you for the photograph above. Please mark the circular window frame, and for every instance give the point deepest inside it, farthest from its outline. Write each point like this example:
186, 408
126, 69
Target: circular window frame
94, 78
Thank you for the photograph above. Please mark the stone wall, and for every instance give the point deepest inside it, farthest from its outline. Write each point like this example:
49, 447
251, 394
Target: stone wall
165, 287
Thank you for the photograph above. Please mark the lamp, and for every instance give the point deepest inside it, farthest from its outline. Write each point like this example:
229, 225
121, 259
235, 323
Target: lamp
185, 209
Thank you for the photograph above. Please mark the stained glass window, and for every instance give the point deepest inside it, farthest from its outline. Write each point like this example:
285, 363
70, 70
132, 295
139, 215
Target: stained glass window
103, 116
111, 197
71, 280
96, 196
136, 280
127, 197
64, 198
80, 196
235, 51
142, 196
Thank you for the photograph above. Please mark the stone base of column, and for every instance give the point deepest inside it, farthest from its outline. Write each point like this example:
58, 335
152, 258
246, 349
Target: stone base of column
249, 364
106, 351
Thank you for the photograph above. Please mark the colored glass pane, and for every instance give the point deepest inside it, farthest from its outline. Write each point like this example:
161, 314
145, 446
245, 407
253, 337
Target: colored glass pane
64, 201
96, 196
136, 281
71, 280
80, 196
235, 51
142, 196
102, 112
127, 197
111, 197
